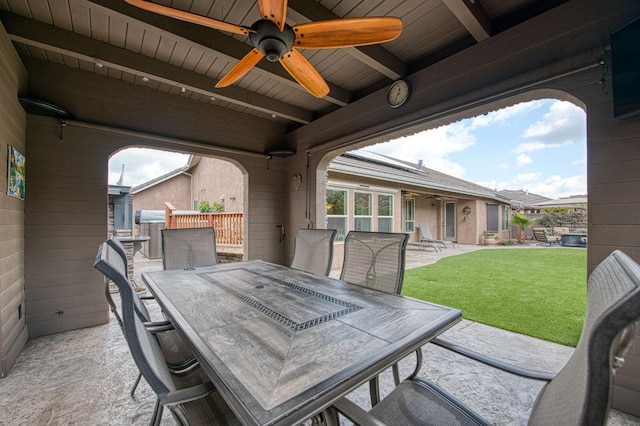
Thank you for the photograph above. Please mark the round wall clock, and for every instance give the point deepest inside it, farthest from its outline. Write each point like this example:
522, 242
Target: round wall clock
398, 93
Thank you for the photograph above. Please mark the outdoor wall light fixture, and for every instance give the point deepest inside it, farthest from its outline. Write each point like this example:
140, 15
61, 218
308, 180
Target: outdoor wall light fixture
466, 211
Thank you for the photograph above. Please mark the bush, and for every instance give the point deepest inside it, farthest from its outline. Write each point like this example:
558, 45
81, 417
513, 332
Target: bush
204, 207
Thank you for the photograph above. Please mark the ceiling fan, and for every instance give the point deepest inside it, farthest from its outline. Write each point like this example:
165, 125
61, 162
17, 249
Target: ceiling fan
273, 39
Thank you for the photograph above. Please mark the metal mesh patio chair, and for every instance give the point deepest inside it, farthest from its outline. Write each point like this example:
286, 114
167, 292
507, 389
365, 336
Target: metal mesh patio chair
427, 237
191, 398
313, 251
175, 349
188, 248
376, 260
579, 394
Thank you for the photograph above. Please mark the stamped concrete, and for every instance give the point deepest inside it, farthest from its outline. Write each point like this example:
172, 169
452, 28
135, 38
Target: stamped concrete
83, 377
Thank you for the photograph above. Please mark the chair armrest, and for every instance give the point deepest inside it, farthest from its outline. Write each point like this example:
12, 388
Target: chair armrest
496, 363
158, 326
356, 414
181, 396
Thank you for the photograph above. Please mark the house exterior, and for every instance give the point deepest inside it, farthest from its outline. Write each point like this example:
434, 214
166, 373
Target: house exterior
201, 179
373, 192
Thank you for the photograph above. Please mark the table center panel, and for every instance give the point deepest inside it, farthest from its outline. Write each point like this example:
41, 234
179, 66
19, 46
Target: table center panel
300, 309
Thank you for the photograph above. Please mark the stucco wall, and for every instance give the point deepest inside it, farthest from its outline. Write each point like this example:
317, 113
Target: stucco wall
175, 190
220, 181
13, 329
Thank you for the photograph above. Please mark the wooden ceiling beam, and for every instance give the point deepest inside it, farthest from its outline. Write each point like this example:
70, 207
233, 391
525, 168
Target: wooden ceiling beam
211, 41
374, 56
472, 16
50, 38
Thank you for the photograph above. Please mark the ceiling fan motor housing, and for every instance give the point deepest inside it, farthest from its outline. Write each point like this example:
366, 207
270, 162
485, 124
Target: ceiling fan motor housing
270, 41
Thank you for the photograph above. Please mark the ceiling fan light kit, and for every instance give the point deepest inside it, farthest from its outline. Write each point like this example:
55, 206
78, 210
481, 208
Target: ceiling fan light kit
273, 39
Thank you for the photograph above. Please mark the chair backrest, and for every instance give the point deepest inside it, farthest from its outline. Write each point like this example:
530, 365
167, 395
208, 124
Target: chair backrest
425, 232
144, 347
540, 234
375, 260
188, 248
313, 251
559, 230
116, 271
580, 393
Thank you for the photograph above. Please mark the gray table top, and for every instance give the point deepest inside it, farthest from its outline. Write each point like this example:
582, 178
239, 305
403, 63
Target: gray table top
281, 344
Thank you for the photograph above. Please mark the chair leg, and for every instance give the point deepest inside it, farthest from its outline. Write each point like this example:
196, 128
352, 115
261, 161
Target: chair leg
374, 390
156, 417
135, 384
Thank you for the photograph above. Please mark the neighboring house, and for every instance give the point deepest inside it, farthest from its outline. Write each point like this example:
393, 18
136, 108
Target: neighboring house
373, 192
201, 179
524, 201
572, 202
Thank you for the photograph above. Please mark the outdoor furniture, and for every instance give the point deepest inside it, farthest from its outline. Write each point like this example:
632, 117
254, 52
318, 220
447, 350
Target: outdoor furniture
573, 240
541, 235
427, 237
112, 262
190, 399
313, 251
188, 248
375, 260
424, 245
579, 394
281, 344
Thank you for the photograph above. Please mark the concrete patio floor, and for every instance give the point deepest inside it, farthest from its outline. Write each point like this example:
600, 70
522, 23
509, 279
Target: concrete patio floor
83, 377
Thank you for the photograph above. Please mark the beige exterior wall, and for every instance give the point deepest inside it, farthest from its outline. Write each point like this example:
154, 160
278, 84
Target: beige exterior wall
13, 329
220, 181
175, 190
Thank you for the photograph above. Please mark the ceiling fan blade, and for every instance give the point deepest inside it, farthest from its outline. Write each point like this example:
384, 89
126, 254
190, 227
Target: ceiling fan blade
346, 32
241, 68
304, 73
274, 10
189, 17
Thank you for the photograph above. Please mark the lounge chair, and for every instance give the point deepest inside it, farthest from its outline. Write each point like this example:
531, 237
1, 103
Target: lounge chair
427, 237
313, 251
541, 235
188, 248
579, 394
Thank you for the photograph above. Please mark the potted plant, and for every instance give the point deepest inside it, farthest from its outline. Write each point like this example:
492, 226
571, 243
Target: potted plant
489, 238
523, 223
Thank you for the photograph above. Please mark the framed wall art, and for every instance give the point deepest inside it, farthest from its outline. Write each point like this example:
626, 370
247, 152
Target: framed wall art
16, 174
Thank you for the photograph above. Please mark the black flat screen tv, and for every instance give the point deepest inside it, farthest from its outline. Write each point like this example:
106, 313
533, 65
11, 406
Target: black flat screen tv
625, 70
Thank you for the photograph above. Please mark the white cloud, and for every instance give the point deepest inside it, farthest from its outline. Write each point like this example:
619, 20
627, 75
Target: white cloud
505, 114
142, 165
432, 146
552, 187
523, 160
563, 124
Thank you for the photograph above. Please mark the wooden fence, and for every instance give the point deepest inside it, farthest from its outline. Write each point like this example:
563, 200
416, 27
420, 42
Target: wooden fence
228, 226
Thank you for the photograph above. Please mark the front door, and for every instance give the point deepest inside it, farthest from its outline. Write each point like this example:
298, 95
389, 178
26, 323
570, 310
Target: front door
449, 220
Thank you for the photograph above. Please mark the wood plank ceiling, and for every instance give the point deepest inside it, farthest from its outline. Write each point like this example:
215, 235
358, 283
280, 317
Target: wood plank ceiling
115, 39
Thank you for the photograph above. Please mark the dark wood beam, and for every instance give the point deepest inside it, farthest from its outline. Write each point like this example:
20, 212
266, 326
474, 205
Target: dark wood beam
474, 18
213, 42
374, 56
54, 39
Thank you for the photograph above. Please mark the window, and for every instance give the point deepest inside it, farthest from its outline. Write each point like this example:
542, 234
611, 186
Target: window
337, 212
409, 214
362, 211
385, 213
492, 217
506, 213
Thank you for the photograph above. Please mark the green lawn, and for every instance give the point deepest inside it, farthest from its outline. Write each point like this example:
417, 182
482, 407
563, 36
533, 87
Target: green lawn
539, 292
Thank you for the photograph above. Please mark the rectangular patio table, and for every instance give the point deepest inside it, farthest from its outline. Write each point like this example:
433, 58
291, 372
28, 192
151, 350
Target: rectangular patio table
281, 345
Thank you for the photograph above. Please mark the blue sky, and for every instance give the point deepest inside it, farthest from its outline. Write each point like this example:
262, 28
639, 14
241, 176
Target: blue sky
537, 146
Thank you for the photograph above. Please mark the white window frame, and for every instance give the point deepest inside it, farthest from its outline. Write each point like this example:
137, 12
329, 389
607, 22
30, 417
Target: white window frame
379, 216
409, 201
361, 216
